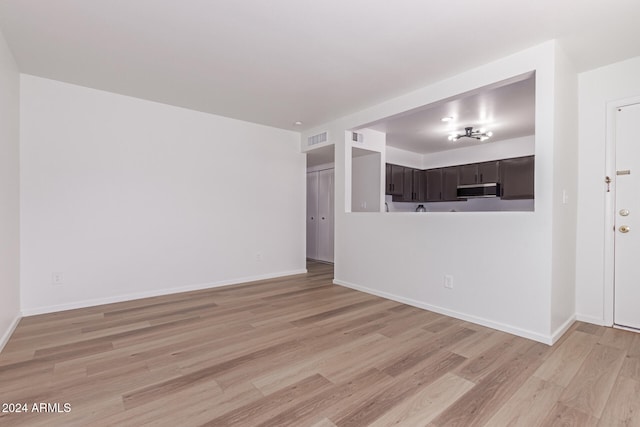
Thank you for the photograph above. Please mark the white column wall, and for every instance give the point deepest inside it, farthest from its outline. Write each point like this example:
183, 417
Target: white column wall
565, 191
501, 262
9, 193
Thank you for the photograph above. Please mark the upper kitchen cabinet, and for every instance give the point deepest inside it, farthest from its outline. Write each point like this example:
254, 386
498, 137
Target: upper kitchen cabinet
433, 185
413, 186
488, 172
479, 173
394, 180
468, 174
441, 184
450, 184
517, 178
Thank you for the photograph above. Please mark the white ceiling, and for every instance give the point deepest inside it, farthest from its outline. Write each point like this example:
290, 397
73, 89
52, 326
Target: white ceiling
278, 61
506, 108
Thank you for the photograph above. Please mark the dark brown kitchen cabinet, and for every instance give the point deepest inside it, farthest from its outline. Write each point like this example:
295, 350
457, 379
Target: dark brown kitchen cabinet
468, 174
479, 173
517, 178
394, 180
489, 172
413, 186
406, 184
419, 185
450, 184
433, 185
442, 184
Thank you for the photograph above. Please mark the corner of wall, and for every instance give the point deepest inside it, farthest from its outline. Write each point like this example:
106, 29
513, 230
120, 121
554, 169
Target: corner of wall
9, 192
565, 192
4, 339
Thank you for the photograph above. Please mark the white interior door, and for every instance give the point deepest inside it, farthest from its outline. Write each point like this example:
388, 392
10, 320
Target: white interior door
325, 215
312, 215
627, 215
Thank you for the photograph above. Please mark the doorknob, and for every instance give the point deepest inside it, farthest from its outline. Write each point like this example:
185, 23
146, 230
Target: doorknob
624, 212
624, 229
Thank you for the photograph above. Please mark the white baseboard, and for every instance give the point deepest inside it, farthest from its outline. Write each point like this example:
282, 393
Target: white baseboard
155, 293
12, 327
545, 339
562, 329
591, 319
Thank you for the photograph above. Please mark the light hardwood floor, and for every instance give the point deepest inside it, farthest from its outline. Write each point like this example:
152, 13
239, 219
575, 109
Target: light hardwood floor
300, 351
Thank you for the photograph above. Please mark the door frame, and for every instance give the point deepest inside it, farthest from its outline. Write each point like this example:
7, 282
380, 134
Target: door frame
610, 205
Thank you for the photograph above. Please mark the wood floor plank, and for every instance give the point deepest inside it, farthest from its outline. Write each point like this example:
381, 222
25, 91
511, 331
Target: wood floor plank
493, 358
479, 343
266, 407
137, 397
323, 403
590, 329
524, 408
564, 362
427, 403
301, 351
373, 408
478, 405
566, 416
589, 390
616, 338
623, 406
272, 380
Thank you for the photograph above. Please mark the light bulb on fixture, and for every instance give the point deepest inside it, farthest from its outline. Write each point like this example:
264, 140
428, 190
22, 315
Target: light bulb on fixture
481, 134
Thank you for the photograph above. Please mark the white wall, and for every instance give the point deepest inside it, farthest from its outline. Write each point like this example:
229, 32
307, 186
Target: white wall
398, 156
495, 150
9, 193
365, 181
596, 88
501, 262
130, 198
565, 190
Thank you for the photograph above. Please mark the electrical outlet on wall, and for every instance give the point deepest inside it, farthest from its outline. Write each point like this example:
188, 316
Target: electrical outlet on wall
448, 281
57, 278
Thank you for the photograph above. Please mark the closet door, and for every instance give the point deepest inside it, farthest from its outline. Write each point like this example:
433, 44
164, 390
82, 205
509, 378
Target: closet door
312, 215
325, 215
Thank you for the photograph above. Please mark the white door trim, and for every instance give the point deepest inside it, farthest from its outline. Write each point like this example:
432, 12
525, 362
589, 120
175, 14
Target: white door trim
610, 200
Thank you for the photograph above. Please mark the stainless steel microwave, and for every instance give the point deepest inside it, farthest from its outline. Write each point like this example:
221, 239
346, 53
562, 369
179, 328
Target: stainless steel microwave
491, 189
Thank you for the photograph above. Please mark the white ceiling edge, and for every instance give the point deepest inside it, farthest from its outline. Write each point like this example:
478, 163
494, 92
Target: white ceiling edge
277, 62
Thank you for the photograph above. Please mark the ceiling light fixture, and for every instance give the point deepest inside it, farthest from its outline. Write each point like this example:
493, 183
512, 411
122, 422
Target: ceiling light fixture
298, 123
446, 119
481, 134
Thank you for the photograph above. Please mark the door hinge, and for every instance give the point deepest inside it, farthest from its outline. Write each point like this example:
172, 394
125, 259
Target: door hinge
607, 180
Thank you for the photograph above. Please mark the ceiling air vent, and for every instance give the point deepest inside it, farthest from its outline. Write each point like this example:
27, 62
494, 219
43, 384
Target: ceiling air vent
318, 139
